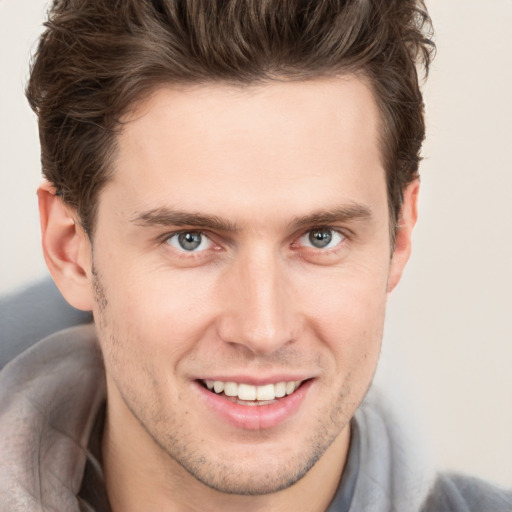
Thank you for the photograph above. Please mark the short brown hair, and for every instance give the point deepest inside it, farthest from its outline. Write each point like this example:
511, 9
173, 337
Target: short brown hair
96, 58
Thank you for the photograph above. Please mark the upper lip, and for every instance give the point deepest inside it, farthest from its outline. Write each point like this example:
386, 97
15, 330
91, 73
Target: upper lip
256, 380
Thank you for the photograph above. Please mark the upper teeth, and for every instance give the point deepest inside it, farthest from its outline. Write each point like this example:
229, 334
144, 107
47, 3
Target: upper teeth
249, 392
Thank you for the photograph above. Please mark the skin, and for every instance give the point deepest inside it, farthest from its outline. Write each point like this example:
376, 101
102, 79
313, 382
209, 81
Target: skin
257, 299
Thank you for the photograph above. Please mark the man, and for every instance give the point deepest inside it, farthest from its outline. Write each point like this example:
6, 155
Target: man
231, 189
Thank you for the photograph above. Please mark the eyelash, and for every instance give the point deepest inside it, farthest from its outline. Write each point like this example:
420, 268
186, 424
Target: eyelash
333, 234
189, 232
295, 245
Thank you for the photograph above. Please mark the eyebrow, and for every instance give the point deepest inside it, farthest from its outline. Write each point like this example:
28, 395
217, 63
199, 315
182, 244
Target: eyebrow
346, 213
170, 217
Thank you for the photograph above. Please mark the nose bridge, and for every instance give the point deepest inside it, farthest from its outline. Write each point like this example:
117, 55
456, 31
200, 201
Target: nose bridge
259, 313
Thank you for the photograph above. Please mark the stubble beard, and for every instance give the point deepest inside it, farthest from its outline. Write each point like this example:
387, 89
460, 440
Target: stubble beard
235, 477
241, 477
225, 473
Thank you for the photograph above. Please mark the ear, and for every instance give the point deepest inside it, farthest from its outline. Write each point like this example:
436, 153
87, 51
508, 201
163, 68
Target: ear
406, 222
66, 248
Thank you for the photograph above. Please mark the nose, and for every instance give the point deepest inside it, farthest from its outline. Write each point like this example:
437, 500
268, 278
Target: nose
258, 308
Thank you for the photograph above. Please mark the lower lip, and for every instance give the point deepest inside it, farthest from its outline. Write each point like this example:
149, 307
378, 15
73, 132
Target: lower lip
255, 417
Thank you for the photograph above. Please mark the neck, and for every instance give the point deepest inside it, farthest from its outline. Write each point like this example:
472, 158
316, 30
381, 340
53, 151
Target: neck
141, 476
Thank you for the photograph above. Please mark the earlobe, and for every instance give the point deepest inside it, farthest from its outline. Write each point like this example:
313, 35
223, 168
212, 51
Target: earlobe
66, 248
406, 223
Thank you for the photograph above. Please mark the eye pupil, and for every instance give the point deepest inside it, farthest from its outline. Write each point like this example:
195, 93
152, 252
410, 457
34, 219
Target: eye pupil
189, 241
320, 238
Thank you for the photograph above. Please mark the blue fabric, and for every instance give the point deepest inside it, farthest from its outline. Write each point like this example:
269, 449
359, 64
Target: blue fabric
382, 474
31, 314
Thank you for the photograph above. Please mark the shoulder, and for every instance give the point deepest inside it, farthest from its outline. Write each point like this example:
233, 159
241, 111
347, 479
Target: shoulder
457, 493
31, 314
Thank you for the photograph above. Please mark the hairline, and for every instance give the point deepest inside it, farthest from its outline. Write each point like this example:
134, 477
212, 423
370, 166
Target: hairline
129, 113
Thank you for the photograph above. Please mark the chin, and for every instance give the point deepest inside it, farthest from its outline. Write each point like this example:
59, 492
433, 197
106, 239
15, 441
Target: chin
252, 481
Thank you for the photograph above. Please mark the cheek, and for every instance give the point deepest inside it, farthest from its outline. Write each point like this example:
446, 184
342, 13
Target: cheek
154, 314
346, 310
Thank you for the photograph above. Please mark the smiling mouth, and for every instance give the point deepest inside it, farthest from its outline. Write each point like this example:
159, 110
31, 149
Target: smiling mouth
247, 394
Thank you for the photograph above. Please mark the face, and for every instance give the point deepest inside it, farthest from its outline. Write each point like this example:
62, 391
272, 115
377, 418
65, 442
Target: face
243, 245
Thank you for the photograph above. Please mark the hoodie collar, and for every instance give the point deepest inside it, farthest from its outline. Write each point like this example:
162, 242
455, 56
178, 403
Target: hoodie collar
51, 400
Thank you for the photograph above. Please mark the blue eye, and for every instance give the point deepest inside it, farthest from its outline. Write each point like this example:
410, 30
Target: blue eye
321, 238
189, 241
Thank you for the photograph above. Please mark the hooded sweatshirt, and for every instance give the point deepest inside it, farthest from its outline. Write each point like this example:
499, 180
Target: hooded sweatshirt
52, 403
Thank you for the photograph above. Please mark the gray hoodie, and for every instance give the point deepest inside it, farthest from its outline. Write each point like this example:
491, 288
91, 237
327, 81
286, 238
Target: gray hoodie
51, 408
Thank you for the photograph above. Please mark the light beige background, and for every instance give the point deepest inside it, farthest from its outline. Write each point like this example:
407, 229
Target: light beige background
448, 343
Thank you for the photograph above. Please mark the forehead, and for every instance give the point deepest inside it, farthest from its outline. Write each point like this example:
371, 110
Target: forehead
267, 145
